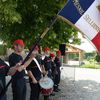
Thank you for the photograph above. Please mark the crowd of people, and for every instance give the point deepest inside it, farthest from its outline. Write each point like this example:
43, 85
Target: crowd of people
47, 65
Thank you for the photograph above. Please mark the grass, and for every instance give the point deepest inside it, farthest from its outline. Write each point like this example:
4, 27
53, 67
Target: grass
91, 64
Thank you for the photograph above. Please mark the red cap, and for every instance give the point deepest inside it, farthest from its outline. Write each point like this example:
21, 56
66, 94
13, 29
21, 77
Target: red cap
58, 52
19, 42
46, 49
52, 55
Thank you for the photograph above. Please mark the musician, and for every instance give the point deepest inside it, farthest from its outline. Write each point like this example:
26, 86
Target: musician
58, 72
47, 65
18, 81
6, 70
34, 72
53, 68
47, 62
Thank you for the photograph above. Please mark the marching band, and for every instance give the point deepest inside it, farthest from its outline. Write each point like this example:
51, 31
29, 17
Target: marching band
43, 72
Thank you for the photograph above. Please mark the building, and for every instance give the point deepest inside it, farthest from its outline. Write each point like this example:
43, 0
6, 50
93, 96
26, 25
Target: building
77, 54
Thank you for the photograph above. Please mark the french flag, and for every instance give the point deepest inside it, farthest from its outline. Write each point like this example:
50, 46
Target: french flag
85, 16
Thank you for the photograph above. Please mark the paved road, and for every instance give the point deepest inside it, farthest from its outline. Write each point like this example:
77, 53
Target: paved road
76, 84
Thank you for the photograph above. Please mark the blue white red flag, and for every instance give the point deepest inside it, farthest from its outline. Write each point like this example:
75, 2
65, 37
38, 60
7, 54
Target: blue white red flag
85, 15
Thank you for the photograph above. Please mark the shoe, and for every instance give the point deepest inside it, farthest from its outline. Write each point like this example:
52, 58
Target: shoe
52, 94
59, 89
56, 90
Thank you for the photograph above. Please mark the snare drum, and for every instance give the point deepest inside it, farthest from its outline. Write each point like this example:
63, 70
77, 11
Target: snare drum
46, 85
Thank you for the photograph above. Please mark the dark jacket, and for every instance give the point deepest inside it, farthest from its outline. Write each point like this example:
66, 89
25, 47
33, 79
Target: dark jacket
4, 68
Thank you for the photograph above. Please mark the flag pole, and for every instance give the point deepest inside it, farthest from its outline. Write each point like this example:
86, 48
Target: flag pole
38, 40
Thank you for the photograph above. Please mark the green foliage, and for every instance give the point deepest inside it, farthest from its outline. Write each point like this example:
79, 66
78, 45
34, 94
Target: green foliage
26, 19
2, 50
74, 56
8, 13
97, 58
90, 55
91, 66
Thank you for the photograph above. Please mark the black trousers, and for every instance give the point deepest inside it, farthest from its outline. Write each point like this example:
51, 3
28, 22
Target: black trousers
3, 97
35, 91
46, 97
19, 89
57, 80
2, 86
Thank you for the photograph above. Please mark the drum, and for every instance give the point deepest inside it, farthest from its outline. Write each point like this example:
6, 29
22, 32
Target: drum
46, 85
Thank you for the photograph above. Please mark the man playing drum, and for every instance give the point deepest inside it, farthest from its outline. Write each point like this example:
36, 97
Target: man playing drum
47, 65
34, 71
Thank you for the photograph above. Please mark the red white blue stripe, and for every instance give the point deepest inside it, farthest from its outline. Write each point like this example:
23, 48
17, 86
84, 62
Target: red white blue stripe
85, 15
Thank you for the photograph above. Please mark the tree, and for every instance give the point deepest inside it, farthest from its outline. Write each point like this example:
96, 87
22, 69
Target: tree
97, 58
26, 19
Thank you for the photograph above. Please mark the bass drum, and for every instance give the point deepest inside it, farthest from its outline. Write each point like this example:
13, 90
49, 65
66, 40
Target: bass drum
46, 85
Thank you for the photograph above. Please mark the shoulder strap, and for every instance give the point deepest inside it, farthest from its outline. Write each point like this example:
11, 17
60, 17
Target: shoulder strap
38, 65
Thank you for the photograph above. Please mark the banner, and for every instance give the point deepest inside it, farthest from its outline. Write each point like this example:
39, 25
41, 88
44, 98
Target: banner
85, 16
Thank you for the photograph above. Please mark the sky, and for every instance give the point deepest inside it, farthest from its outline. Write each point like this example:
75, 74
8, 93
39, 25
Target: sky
86, 44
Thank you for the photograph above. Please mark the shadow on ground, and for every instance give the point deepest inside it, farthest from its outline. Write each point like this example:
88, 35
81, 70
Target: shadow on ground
71, 90
79, 90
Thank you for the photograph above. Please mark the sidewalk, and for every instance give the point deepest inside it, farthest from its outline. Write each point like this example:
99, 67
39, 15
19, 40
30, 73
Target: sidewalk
84, 84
